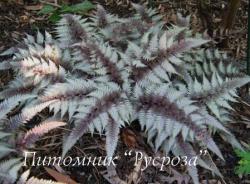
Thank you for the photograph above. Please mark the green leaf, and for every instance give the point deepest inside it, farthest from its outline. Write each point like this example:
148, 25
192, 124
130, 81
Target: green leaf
55, 17
78, 8
244, 163
47, 9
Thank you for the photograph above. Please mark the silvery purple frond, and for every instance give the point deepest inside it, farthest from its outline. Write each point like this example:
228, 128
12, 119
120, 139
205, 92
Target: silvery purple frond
101, 16
76, 30
101, 106
162, 106
35, 133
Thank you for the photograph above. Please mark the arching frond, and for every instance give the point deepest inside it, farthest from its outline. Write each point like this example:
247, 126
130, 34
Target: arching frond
34, 180
95, 111
9, 170
7, 105
216, 94
35, 133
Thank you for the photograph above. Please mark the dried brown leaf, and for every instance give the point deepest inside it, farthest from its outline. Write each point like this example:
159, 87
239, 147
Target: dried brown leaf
34, 7
60, 177
129, 138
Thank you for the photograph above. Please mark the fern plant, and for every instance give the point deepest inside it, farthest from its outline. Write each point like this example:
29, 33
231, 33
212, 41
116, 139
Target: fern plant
103, 72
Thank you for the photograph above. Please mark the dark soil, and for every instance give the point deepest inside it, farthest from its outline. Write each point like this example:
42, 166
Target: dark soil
15, 21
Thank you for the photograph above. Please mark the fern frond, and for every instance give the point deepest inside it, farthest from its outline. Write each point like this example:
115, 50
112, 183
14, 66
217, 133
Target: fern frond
148, 15
108, 100
182, 21
4, 134
67, 95
13, 172
101, 16
27, 114
31, 46
41, 71
185, 149
7, 105
112, 132
6, 147
6, 165
19, 86
35, 133
24, 177
105, 58
161, 55
9, 170
210, 61
72, 29
217, 93
165, 112
103, 19
34, 180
